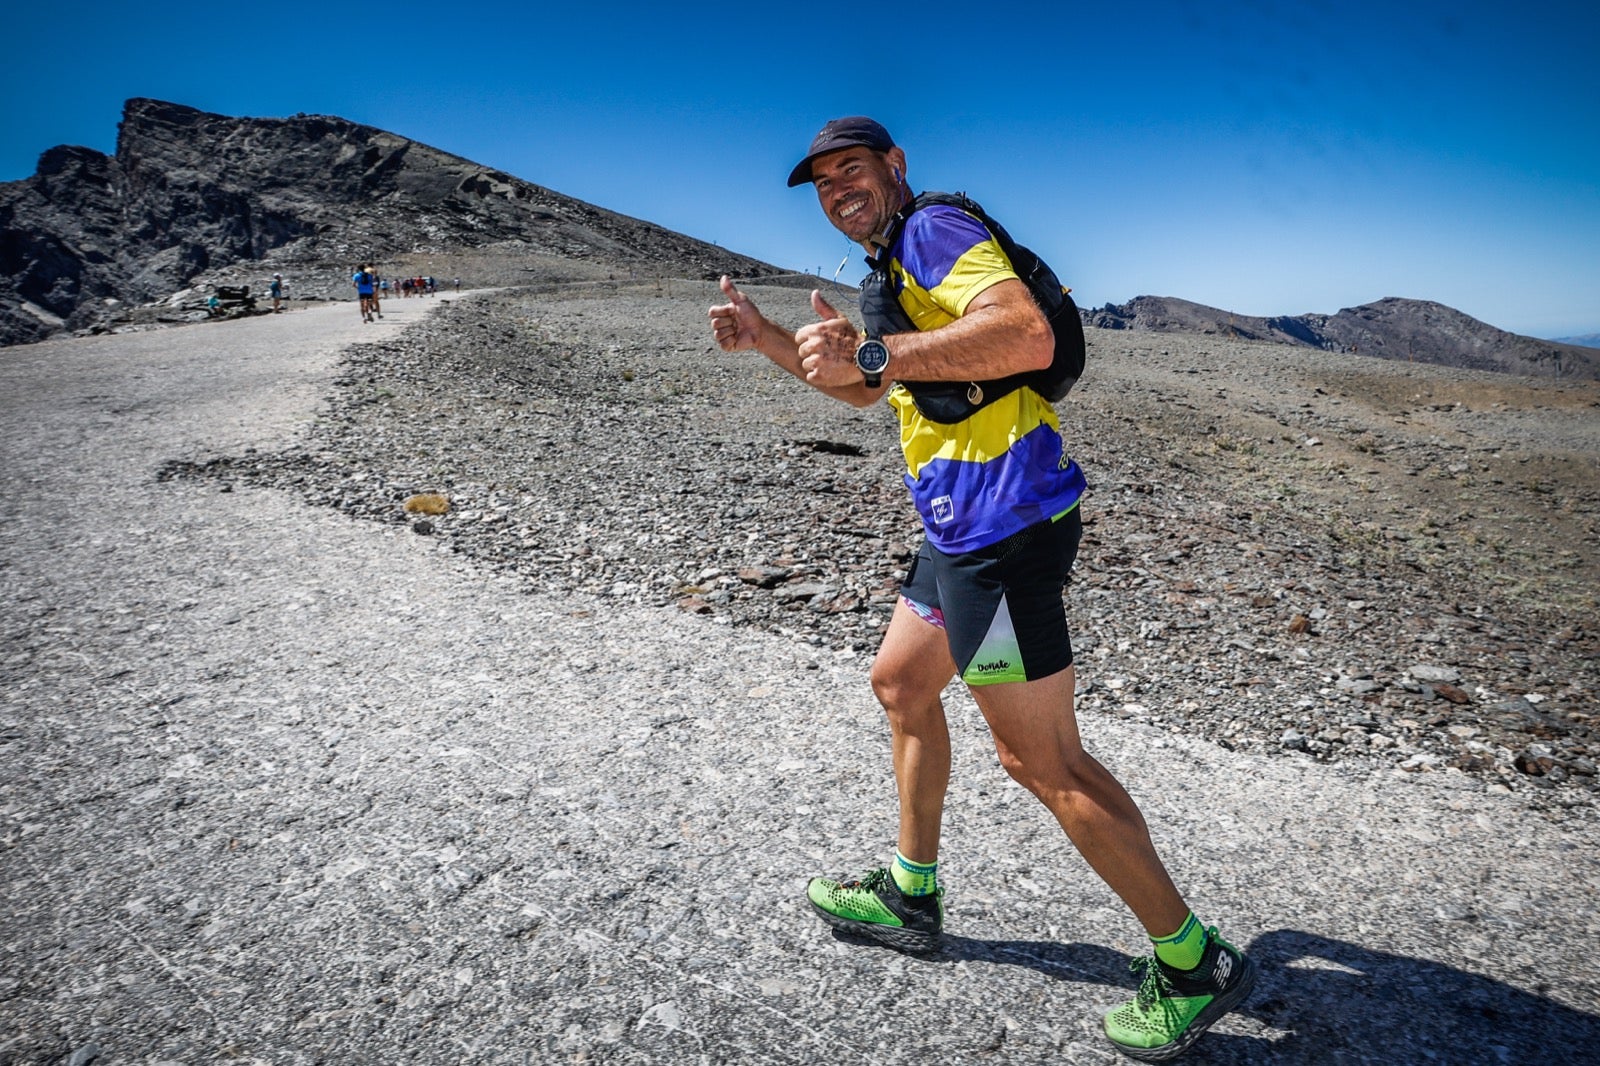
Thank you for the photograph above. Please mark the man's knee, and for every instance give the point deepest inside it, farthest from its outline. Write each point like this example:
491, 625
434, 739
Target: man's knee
1050, 770
891, 683
1020, 769
906, 692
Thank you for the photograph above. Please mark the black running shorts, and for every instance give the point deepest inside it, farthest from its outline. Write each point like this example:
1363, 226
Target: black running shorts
1000, 606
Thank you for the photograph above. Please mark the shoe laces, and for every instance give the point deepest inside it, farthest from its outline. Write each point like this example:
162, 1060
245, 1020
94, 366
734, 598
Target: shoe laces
871, 881
1154, 986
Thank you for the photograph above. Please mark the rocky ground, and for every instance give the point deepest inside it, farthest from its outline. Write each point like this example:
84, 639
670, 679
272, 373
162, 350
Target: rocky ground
1287, 551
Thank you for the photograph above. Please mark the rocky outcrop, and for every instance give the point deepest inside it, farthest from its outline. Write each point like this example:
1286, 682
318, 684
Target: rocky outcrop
189, 193
60, 242
1392, 328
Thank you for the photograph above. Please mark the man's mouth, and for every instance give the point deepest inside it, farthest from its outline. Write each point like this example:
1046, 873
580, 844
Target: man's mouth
851, 208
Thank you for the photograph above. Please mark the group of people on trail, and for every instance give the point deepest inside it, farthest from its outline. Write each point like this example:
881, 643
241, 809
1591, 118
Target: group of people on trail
958, 345
419, 286
371, 289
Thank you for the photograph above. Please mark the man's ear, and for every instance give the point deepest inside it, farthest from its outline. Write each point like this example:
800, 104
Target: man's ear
896, 158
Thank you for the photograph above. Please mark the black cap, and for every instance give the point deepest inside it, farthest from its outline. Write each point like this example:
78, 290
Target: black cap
842, 133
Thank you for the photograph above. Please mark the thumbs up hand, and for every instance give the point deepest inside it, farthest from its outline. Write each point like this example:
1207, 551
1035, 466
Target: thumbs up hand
736, 325
822, 307
828, 347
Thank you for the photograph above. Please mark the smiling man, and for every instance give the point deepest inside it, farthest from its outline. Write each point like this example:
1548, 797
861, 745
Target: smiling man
957, 342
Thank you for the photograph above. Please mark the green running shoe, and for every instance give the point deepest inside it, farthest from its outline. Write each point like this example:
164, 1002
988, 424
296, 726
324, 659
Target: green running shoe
875, 907
1174, 1007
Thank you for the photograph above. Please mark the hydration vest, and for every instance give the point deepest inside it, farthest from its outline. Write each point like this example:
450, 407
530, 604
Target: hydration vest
952, 401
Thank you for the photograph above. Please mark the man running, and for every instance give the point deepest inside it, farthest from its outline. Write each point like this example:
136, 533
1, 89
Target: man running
998, 497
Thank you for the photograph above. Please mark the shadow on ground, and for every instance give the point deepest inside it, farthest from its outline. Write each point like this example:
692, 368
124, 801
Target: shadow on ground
1330, 1001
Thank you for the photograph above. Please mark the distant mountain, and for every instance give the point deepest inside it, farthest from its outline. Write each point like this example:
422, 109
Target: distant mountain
1392, 328
189, 192
1588, 340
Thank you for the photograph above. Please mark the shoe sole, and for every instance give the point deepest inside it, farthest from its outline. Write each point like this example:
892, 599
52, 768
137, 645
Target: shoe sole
1203, 1021
895, 936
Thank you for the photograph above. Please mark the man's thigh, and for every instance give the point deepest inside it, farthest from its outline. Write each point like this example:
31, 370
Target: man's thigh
913, 663
1034, 721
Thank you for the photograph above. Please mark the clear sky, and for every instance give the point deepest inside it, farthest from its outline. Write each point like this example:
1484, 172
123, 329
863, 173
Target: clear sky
1266, 157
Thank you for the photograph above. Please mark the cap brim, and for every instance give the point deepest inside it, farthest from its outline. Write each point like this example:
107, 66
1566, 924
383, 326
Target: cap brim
801, 174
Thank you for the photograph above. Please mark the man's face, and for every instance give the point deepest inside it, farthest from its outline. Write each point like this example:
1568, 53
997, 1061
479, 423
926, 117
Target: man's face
858, 190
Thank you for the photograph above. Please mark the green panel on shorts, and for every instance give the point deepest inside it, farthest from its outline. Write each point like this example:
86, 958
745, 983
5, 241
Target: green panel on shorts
999, 657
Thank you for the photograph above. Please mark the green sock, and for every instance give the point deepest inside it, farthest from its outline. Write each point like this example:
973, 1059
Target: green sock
1183, 949
915, 878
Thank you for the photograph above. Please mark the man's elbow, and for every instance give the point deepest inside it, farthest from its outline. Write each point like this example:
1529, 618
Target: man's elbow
1037, 347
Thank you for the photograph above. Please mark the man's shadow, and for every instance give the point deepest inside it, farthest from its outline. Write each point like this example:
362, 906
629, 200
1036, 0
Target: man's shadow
1329, 1001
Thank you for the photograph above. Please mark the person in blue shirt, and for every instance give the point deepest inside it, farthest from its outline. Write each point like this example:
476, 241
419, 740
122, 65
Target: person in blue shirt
366, 283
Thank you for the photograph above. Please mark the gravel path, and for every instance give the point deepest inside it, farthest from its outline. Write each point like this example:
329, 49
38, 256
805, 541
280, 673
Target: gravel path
285, 784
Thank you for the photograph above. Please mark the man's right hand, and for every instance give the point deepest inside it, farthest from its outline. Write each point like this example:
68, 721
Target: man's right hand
736, 324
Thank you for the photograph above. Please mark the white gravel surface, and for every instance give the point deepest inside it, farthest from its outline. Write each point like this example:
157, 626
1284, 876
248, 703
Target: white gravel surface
283, 786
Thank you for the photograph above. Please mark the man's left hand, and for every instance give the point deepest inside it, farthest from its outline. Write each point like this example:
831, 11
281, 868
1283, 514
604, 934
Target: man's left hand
828, 347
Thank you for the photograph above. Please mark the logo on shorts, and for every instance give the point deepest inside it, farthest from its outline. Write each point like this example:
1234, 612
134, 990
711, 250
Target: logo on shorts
943, 510
995, 667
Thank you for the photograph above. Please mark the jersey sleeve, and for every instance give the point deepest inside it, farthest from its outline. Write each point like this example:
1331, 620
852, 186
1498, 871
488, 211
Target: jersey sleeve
946, 259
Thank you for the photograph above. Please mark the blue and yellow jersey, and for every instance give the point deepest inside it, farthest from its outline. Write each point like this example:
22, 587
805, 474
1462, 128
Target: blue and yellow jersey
1003, 469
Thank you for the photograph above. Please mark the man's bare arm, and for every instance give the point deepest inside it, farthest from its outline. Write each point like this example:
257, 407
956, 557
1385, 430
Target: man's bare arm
739, 326
1002, 333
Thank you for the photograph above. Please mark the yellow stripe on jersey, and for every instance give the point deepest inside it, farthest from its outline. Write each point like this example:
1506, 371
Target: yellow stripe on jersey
986, 436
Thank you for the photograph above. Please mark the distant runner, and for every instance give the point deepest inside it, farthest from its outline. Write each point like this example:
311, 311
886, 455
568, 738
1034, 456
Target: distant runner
999, 501
366, 284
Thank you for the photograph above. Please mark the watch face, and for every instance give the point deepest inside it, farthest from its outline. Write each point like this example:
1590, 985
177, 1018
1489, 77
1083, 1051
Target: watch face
872, 357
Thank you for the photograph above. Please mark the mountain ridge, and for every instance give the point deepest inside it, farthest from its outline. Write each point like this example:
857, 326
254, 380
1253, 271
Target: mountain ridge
191, 198
1422, 331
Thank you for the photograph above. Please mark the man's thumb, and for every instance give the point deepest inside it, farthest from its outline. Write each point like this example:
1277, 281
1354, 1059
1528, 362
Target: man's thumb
822, 307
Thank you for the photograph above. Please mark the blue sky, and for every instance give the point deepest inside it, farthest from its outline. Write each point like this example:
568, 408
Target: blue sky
1267, 157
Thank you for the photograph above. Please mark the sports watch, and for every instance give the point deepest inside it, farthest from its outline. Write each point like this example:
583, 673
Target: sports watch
872, 357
